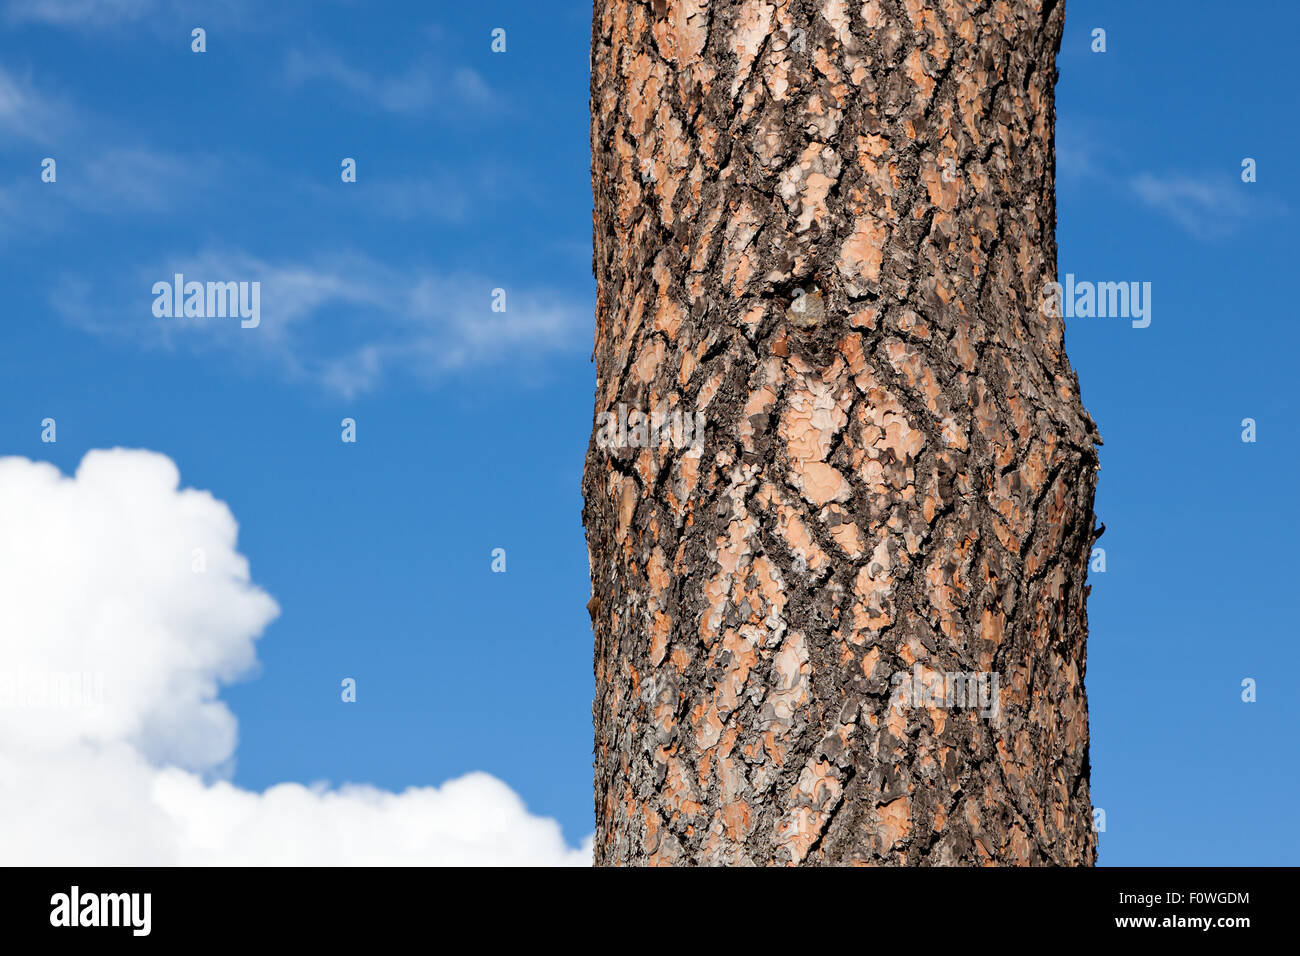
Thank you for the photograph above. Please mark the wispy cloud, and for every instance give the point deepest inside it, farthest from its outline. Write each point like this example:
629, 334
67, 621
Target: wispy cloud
418, 89
120, 182
135, 178
438, 193
345, 322
79, 13
1078, 156
101, 168
28, 114
1208, 207
444, 197
158, 17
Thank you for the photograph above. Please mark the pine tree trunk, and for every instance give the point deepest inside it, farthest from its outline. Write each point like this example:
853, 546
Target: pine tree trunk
825, 227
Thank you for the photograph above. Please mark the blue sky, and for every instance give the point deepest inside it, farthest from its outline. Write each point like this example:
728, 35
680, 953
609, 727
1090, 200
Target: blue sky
472, 175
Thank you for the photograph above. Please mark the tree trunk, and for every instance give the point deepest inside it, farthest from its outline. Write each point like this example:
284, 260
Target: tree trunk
826, 227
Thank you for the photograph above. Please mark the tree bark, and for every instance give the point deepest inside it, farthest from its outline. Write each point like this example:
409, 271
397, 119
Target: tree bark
826, 226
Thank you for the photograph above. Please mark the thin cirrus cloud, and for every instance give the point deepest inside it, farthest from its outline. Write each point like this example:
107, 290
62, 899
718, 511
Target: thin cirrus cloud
133, 180
125, 606
420, 88
79, 13
138, 181
1208, 207
97, 172
1077, 154
440, 194
345, 323
116, 182
28, 115
159, 16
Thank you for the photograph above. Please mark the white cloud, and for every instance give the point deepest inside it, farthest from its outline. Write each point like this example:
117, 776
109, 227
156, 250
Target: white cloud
445, 196
117, 182
161, 17
79, 13
114, 743
343, 322
473, 89
1209, 207
26, 113
1078, 156
418, 89
130, 179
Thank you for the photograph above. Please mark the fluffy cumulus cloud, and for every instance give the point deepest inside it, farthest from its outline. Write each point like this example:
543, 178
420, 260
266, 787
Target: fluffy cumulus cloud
124, 607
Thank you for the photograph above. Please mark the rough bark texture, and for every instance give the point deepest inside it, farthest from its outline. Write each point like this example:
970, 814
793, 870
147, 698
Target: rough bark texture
896, 467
